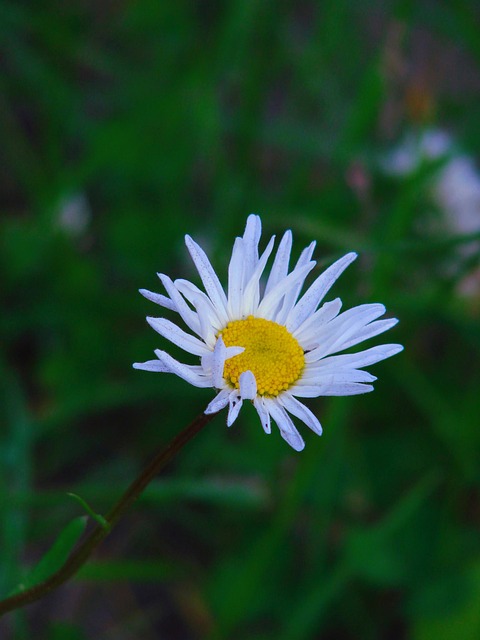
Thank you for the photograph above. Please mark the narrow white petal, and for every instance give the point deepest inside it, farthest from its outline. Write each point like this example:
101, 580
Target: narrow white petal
279, 268
188, 316
208, 322
302, 412
206, 362
191, 291
208, 318
171, 332
370, 331
288, 430
333, 336
158, 298
220, 354
356, 317
340, 389
269, 304
152, 365
208, 276
219, 402
294, 291
307, 332
251, 294
218, 363
263, 414
186, 372
357, 360
319, 376
234, 351
248, 385
235, 404
306, 255
316, 292
251, 238
354, 335
235, 279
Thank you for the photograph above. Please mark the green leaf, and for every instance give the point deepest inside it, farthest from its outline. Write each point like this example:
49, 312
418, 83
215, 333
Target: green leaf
96, 516
58, 553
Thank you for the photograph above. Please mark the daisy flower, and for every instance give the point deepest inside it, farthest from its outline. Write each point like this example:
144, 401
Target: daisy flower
270, 345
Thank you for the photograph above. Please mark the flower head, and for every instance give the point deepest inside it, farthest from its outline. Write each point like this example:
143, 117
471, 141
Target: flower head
268, 345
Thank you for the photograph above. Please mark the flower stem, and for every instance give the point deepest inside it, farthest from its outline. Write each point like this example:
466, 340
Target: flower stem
78, 558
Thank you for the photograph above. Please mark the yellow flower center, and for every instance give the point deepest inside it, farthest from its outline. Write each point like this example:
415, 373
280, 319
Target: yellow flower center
271, 353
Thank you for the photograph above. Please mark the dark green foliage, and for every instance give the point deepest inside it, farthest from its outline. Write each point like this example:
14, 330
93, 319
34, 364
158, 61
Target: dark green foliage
125, 125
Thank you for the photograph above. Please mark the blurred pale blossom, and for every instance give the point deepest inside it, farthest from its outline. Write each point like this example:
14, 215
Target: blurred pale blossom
414, 150
73, 214
454, 188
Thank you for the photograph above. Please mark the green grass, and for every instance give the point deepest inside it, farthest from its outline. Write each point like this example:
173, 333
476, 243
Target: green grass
166, 118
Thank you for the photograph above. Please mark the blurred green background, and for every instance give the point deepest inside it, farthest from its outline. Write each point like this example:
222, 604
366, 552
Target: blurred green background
125, 125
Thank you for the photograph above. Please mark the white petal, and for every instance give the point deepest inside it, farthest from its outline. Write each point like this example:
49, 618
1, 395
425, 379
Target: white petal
218, 363
353, 336
316, 292
248, 385
209, 277
288, 430
158, 298
235, 402
234, 351
279, 268
307, 332
269, 304
302, 412
306, 255
294, 291
263, 414
208, 318
317, 376
251, 294
251, 238
235, 279
152, 365
359, 316
208, 321
176, 335
221, 353
186, 372
340, 389
219, 402
188, 316
370, 331
333, 336
360, 359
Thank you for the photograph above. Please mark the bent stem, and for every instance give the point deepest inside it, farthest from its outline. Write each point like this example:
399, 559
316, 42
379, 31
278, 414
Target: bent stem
78, 558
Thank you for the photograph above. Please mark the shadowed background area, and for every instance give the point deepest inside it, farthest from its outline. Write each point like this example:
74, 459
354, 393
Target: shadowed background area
125, 125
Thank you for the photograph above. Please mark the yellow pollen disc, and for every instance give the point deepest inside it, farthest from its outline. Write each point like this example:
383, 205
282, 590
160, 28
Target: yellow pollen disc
271, 353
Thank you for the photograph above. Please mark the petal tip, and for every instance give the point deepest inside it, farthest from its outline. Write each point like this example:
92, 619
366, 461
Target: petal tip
297, 445
396, 348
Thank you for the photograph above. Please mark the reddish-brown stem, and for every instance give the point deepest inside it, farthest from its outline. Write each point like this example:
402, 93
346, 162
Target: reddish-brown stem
81, 554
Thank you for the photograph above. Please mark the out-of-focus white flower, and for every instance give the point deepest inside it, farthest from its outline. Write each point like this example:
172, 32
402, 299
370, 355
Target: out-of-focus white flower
455, 187
414, 150
74, 214
457, 191
268, 346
